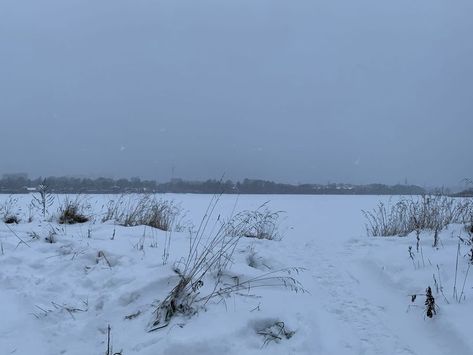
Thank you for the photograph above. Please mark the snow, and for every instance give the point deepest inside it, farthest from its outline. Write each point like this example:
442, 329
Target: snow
59, 298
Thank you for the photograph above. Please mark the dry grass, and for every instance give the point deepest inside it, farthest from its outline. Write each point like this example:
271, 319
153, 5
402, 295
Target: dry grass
72, 211
147, 210
275, 332
9, 211
211, 252
427, 212
261, 223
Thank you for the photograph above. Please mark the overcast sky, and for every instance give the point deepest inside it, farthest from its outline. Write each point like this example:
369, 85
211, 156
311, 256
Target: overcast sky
294, 91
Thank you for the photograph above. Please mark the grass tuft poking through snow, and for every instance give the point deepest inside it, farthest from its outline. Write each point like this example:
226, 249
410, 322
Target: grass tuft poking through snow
275, 332
261, 223
432, 212
210, 252
146, 210
72, 211
9, 211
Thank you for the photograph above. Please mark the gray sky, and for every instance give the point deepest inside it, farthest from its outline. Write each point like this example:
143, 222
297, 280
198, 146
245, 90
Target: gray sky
296, 90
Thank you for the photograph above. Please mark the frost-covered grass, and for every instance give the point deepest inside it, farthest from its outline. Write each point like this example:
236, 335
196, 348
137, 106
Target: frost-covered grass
60, 297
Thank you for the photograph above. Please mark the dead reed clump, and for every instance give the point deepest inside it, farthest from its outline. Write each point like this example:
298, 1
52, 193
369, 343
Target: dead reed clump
261, 223
72, 212
145, 210
429, 212
209, 255
9, 211
11, 219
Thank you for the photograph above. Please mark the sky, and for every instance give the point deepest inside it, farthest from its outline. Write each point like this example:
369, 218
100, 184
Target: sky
292, 91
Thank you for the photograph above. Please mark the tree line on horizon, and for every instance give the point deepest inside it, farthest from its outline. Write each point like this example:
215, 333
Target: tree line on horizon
21, 183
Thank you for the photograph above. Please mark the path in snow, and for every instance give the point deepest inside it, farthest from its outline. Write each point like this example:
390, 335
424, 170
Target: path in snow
358, 294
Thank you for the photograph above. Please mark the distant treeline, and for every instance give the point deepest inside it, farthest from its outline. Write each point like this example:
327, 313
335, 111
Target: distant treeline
250, 186
20, 183
465, 193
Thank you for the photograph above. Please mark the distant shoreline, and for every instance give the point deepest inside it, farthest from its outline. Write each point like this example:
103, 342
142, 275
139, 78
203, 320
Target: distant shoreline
21, 184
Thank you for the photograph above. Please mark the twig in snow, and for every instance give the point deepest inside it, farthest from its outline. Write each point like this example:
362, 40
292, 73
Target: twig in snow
101, 254
16, 235
464, 282
455, 294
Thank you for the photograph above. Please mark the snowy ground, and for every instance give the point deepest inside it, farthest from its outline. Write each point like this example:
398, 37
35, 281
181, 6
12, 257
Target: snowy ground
60, 298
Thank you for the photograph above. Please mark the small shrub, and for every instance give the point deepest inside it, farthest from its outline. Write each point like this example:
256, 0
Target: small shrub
71, 215
11, 219
71, 212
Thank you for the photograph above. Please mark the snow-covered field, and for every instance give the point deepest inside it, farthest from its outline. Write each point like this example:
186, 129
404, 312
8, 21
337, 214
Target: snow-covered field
60, 298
